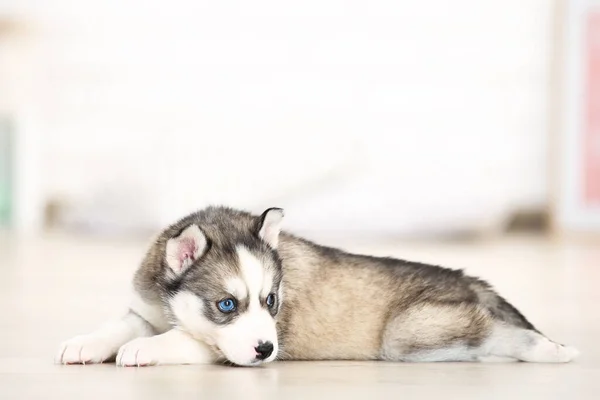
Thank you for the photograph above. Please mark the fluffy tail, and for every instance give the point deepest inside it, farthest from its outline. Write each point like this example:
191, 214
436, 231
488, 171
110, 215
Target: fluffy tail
500, 309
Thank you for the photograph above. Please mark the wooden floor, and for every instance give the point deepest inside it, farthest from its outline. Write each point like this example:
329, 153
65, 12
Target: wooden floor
54, 288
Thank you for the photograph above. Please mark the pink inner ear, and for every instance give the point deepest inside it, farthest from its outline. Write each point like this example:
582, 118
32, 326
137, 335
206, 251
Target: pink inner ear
187, 250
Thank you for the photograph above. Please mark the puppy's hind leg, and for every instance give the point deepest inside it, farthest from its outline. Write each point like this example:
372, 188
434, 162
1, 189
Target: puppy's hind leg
434, 332
525, 345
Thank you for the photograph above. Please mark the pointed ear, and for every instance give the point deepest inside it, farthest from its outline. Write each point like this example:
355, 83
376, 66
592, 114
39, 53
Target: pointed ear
270, 226
184, 249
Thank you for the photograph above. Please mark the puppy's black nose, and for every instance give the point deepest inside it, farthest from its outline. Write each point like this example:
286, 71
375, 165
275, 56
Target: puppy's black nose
263, 350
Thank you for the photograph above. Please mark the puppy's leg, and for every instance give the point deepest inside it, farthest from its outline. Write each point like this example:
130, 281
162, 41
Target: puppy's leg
525, 345
430, 332
103, 344
172, 347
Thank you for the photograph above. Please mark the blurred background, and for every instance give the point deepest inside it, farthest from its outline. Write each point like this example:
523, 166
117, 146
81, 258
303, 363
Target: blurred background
360, 118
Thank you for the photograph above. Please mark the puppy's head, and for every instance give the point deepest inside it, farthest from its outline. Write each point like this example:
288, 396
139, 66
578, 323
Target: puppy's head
225, 285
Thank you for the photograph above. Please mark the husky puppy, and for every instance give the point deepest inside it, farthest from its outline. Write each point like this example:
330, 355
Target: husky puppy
225, 285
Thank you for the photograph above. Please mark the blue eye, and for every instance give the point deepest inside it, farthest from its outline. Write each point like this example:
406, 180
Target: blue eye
227, 305
271, 300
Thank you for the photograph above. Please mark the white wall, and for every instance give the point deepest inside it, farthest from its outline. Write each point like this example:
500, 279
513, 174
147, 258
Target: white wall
383, 115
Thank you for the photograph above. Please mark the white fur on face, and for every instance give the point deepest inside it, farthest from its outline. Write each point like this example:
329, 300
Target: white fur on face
188, 310
238, 340
258, 280
237, 288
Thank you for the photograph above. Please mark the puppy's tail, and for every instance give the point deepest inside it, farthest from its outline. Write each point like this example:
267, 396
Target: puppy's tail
499, 308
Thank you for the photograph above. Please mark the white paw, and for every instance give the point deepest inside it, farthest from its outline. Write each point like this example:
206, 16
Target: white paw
140, 352
550, 352
85, 349
568, 353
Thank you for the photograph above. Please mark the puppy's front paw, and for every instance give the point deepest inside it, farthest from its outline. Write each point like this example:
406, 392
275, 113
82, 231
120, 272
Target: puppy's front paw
140, 352
85, 349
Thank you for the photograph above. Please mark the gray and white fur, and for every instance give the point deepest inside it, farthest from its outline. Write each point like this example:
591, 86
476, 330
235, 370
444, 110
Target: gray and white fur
223, 285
